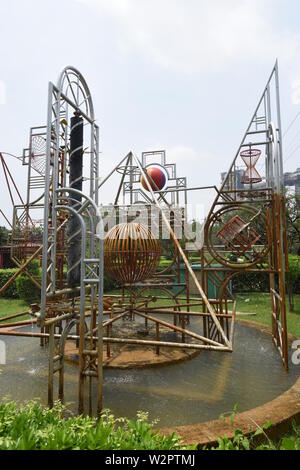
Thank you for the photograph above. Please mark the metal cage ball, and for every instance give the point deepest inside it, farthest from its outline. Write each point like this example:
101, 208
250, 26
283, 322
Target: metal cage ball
131, 253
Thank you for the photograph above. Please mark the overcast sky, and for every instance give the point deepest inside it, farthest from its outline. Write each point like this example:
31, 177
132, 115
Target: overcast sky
184, 75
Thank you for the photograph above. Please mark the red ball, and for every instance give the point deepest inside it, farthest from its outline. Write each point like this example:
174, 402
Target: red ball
158, 178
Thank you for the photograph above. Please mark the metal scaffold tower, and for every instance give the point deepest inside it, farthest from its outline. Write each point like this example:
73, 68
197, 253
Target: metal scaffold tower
246, 228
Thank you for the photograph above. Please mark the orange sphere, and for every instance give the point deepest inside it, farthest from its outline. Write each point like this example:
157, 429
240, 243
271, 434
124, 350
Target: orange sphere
131, 253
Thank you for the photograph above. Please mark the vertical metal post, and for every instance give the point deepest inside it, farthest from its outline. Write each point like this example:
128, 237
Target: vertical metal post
279, 125
100, 318
48, 182
157, 338
61, 377
51, 366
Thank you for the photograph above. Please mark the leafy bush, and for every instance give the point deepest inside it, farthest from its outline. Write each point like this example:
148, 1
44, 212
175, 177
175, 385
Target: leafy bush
109, 283
28, 291
251, 282
11, 292
292, 277
34, 267
242, 442
258, 440
32, 427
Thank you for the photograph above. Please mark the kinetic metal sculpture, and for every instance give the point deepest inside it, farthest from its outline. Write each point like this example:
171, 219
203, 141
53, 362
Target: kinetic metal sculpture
244, 232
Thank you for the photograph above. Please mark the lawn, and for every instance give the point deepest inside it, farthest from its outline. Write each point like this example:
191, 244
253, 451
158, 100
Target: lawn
9, 307
258, 303
261, 305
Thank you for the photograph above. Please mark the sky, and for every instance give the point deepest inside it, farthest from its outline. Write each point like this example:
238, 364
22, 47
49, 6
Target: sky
180, 75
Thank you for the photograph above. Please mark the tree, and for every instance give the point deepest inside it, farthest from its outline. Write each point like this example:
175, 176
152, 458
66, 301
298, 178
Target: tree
293, 222
291, 278
3, 235
293, 237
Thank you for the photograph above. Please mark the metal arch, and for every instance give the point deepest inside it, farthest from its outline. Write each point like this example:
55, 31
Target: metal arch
64, 336
59, 106
99, 229
65, 75
88, 199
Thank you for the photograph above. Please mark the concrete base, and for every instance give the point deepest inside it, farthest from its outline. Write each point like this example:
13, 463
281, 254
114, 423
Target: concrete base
127, 357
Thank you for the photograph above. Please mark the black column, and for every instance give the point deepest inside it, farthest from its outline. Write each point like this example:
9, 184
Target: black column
75, 182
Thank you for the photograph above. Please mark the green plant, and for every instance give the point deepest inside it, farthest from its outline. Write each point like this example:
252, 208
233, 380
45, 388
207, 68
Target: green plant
291, 442
292, 205
4, 233
242, 442
251, 282
292, 277
31, 427
108, 283
26, 289
11, 292
231, 414
34, 267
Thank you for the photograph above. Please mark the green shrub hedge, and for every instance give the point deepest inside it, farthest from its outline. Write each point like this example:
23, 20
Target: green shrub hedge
27, 290
23, 288
259, 282
251, 282
11, 292
109, 283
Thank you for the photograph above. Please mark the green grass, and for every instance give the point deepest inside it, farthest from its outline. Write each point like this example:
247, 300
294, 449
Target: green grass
257, 302
9, 307
251, 302
261, 305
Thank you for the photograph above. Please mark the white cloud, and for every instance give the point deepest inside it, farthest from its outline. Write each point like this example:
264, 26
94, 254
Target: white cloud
199, 34
181, 154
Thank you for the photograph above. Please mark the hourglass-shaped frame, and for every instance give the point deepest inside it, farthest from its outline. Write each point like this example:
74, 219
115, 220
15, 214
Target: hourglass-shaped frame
250, 158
